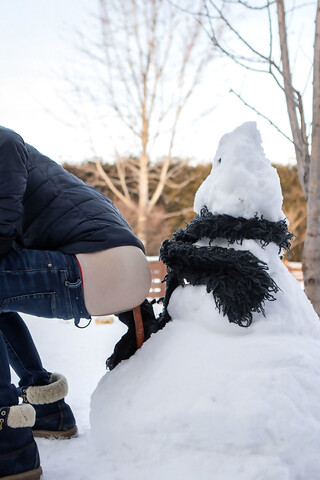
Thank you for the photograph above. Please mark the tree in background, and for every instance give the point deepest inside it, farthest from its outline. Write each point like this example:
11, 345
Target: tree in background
181, 200
294, 208
294, 204
167, 215
147, 62
307, 150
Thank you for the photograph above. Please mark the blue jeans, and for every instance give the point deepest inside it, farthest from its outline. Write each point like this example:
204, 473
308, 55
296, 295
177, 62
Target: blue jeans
41, 283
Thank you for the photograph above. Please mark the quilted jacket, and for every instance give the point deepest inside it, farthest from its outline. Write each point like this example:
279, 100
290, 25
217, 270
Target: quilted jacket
42, 206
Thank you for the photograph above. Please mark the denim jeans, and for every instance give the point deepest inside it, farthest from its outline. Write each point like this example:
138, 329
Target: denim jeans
41, 283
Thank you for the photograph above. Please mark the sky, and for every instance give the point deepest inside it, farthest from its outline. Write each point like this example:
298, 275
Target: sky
39, 48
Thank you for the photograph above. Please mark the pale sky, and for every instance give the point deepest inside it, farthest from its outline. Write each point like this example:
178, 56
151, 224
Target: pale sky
38, 46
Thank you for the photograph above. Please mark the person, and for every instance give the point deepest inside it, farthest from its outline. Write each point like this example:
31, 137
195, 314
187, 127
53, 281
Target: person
65, 252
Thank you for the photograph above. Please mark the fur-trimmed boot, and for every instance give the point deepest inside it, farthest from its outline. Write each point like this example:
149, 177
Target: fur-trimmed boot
54, 417
19, 456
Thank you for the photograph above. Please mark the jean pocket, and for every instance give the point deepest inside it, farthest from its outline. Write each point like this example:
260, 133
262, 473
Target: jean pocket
39, 304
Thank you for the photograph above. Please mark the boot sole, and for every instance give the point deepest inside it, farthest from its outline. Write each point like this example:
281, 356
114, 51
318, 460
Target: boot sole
72, 432
31, 475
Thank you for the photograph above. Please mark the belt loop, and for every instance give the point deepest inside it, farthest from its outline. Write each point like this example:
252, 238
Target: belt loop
76, 293
77, 321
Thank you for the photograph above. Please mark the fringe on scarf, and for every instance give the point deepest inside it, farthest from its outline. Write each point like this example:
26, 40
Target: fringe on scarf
235, 230
239, 281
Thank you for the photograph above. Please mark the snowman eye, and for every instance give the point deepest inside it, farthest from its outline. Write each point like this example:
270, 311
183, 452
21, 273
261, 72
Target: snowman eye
219, 161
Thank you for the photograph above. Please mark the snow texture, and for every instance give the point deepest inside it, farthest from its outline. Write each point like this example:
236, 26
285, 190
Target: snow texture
242, 181
204, 398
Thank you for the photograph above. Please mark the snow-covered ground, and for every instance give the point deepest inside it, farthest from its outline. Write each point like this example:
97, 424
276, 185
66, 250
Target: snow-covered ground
80, 355
188, 451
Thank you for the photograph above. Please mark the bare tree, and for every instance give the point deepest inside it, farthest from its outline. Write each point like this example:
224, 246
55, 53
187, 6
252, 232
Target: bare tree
307, 150
296, 216
148, 61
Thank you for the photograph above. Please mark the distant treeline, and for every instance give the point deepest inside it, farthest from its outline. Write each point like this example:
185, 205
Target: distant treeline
175, 205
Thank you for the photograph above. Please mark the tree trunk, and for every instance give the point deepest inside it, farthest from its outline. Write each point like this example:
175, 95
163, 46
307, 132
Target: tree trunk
298, 134
142, 227
311, 251
143, 198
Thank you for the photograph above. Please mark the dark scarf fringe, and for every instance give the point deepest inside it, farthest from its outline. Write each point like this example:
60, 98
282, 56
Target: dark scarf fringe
237, 279
235, 230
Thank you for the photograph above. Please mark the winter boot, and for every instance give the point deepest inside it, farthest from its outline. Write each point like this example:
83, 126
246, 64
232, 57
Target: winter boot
19, 456
54, 417
127, 345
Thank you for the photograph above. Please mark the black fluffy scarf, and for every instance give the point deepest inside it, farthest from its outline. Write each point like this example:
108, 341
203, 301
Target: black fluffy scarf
235, 230
238, 281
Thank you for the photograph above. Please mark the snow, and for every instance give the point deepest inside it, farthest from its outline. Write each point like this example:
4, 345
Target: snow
222, 404
80, 355
205, 398
202, 398
242, 181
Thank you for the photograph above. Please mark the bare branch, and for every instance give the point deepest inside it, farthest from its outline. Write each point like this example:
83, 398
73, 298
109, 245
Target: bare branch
111, 185
122, 178
190, 12
182, 102
242, 39
146, 67
235, 58
307, 80
261, 115
178, 212
181, 185
303, 5
133, 167
251, 7
270, 32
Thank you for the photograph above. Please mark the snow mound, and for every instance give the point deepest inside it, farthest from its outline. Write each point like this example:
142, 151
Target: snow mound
242, 403
204, 398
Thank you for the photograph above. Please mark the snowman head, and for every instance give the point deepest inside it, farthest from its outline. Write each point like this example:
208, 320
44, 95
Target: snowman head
242, 182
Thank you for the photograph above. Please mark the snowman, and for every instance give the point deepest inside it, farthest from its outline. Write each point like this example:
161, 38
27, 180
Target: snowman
230, 388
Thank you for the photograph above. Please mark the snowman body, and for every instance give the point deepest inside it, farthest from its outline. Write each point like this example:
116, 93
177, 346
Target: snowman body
205, 398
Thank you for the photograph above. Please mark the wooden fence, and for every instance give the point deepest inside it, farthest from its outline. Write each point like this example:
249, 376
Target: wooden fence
158, 271
295, 268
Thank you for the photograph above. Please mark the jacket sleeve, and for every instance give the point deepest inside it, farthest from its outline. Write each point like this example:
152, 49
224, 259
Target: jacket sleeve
13, 181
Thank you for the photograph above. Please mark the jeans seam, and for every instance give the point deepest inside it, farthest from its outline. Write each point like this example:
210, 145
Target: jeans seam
9, 346
68, 296
33, 270
71, 286
53, 305
47, 257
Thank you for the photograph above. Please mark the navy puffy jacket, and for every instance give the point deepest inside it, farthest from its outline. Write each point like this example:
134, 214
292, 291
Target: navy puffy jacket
42, 206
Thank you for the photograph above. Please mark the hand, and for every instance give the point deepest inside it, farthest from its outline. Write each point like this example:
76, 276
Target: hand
123, 350
127, 345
